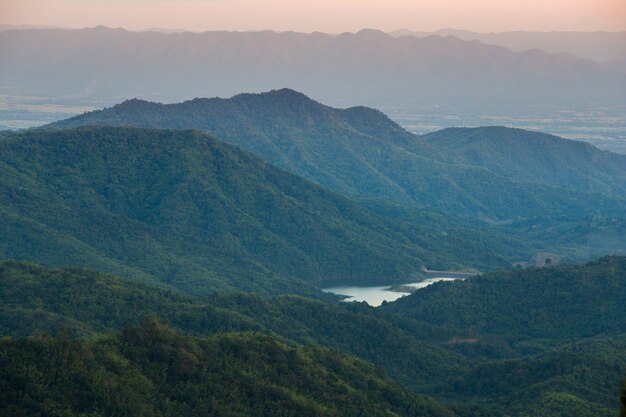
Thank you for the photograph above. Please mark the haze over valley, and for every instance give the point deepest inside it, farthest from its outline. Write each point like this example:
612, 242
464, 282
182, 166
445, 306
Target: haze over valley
424, 83
245, 208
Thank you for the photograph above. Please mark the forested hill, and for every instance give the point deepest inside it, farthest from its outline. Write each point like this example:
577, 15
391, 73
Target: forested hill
85, 303
189, 211
564, 302
151, 371
288, 130
357, 151
477, 374
536, 157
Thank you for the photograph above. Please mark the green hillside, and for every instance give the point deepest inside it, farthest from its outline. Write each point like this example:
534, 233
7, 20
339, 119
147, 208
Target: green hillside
35, 299
565, 302
150, 370
565, 323
358, 151
580, 379
536, 157
474, 373
183, 209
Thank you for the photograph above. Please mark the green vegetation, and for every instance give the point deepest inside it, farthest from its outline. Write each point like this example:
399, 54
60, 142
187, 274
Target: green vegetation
623, 398
566, 325
150, 370
326, 145
585, 372
535, 157
183, 209
192, 224
35, 299
474, 372
565, 302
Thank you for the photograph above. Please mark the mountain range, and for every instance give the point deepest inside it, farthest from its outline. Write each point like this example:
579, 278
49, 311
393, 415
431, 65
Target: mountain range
173, 259
194, 225
108, 65
599, 46
181, 208
362, 154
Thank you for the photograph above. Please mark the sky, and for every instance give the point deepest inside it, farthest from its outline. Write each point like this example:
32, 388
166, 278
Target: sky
331, 16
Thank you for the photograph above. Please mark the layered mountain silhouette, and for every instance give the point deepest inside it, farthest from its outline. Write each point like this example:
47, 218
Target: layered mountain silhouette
361, 152
181, 208
102, 64
599, 46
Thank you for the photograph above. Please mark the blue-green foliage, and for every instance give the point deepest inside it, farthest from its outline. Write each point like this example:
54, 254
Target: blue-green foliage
191, 212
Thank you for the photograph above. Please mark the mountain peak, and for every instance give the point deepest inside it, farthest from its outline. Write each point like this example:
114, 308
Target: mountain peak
285, 96
135, 103
373, 34
287, 92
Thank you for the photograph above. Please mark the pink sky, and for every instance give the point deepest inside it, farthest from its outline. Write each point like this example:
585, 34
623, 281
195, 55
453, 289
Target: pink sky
322, 15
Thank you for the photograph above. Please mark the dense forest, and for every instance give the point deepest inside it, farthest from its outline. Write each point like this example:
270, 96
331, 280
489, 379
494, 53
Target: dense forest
150, 370
189, 211
564, 302
165, 272
200, 258
471, 370
536, 157
543, 182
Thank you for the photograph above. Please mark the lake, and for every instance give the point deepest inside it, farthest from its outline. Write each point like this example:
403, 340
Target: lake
375, 296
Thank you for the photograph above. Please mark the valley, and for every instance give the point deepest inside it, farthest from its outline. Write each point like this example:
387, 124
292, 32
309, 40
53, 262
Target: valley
234, 222
376, 295
444, 341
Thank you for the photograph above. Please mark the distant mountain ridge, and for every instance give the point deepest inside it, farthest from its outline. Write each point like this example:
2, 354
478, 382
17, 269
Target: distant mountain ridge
599, 46
102, 64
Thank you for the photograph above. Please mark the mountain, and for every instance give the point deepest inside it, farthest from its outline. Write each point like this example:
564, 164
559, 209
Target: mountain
599, 46
99, 65
536, 157
189, 211
360, 152
471, 372
567, 322
150, 370
564, 302
86, 303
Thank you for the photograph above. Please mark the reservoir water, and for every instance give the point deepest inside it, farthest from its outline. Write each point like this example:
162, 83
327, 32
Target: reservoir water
375, 296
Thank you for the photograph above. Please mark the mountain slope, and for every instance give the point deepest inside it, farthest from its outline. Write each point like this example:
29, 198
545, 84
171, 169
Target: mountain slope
150, 370
356, 151
532, 376
536, 157
197, 214
561, 302
36, 299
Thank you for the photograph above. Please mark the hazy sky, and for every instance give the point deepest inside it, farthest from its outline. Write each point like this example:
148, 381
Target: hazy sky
322, 15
